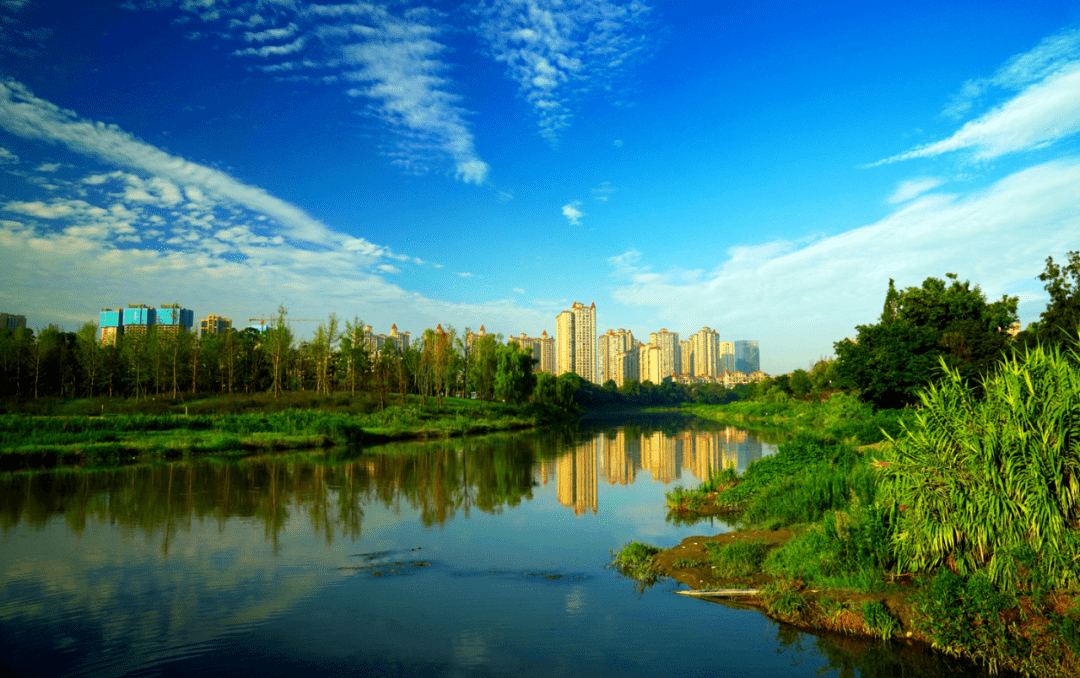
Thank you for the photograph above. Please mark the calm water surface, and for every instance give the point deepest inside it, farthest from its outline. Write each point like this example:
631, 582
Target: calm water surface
484, 556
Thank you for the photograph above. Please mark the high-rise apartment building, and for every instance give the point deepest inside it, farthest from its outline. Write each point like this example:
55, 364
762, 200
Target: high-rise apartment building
376, 342
564, 343
138, 318
747, 356
10, 321
686, 356
706, 351
575, 341
173, 318
668, 342
627, 364
214, 325
547, 353
543, 351
112, 325
608, 348
727, 357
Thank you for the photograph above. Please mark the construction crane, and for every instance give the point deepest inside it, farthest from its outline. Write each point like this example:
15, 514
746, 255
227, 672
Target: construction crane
262, 320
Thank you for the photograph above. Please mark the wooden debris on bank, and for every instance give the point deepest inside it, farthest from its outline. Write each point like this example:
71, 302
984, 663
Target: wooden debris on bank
721, 593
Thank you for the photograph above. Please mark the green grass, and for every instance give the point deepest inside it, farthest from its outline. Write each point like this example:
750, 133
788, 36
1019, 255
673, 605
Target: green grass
634, 560
43, 441
738, 559
878, 620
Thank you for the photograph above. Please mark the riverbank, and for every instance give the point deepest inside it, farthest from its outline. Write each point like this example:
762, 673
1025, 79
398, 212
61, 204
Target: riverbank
816, 530
241, 425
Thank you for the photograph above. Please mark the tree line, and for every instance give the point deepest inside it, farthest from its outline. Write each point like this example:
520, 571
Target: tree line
56, 363
926, 331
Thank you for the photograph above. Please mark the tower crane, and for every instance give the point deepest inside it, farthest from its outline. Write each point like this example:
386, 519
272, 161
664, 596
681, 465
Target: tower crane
262, 320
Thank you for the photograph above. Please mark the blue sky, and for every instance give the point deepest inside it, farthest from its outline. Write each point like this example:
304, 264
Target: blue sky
762, 169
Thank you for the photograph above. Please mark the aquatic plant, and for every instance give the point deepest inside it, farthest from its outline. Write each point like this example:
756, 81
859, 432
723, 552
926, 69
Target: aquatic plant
635, 561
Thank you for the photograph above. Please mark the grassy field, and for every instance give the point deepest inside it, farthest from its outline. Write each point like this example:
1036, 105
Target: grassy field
67, 432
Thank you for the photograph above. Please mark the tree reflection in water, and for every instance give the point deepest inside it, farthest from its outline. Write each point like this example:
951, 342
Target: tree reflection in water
437, 479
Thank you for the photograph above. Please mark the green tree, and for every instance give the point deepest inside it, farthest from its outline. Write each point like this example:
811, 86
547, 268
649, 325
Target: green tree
889, 361
355, 353
1060, 322
278, 341
545, 391
514, 378
484, 361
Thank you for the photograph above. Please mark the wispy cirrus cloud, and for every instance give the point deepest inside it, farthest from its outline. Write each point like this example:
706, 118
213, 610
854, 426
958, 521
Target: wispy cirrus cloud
558, 50
1046, 109
1051, 55
913, 188
800, 297
388, 57
271, 34
29, 117
272, 50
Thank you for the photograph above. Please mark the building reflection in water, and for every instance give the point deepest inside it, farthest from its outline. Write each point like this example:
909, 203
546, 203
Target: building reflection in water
616, 457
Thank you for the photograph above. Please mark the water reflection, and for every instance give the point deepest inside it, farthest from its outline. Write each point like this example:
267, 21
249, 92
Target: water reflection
618, 455
464, 557
438, 480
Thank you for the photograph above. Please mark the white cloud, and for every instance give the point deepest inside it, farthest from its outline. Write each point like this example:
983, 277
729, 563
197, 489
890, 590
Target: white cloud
604, 191
618, 143
398, 64
272, 50
465, 275
388, 55
7, 157
1046, 109
913, 188
1040, 115
53, 210
519, 290
555, 51
48, 167
1049, 56
800, 298
24, 115
271, 34
572, 213
387, 268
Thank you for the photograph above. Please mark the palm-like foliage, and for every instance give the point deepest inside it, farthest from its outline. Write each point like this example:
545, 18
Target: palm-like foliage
993, 485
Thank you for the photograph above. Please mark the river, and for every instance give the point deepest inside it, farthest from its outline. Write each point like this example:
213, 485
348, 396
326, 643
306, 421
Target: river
482, 556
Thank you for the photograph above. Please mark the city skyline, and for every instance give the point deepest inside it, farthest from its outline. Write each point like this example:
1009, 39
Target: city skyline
763, 173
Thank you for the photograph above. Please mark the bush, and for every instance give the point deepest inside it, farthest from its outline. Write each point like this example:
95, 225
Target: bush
635, 561
964, 616
992, 485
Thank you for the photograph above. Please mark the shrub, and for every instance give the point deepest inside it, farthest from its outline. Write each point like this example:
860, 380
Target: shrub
635, 561
992, 485
964, 616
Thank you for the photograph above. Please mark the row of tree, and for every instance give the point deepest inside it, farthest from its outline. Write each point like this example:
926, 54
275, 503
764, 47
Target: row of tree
55, 363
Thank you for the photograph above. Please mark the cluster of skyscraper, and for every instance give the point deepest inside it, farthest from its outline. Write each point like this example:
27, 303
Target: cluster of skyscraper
617, 356
138, 318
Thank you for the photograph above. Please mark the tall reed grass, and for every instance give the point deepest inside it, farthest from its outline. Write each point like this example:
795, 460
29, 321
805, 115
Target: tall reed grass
993, 485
